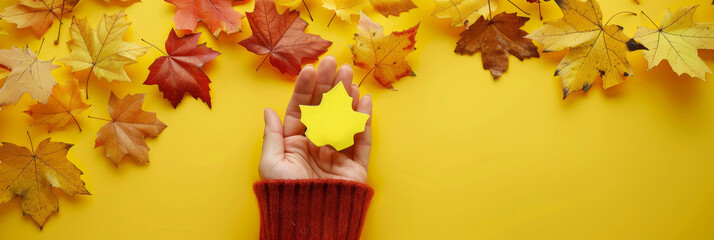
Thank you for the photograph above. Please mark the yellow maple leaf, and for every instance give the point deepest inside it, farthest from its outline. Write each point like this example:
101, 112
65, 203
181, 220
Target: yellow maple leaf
333, 122
392, 7
596, 49
462, 12
64, 105
29, 75
289, 5
345, 8
103, 49
31, 174
37, 14
677, 41
383, 54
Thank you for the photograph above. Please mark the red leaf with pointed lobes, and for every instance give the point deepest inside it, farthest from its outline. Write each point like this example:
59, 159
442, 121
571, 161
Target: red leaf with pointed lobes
282, 37
218, 15
180, 71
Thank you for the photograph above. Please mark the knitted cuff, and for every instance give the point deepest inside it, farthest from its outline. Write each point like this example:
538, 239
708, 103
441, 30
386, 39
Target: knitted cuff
312, 208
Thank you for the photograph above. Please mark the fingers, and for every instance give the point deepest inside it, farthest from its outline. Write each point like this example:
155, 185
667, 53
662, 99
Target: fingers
324, 77
363, 140
302, 95
273, 145
355, 95
344, 76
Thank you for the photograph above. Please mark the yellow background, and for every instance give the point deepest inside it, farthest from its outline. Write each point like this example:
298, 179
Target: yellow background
456, 154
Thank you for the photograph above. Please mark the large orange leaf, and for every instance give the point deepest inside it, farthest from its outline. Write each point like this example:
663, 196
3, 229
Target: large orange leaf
31, 174
218, 15
124, 134
383, 54
64, 105
282, 38
37, 14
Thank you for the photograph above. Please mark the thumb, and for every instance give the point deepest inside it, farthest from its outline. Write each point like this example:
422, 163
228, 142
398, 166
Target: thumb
273, 145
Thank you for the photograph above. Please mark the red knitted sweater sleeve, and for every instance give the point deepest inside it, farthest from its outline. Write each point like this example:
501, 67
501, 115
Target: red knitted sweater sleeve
311, 208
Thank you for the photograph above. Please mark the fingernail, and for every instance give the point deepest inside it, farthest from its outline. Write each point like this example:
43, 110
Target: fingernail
369, 95
310, 65
355, 85
265, 114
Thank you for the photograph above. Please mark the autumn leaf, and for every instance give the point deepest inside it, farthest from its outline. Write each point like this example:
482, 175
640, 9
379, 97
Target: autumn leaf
37, 14
65, 104
496, 39
392, 7
29, 75
179, 71
462, 12
282, 38
218, 15
31, 174
103, 49
677, 41
596, 49
383, 55
124, 134
333, 122
345, 8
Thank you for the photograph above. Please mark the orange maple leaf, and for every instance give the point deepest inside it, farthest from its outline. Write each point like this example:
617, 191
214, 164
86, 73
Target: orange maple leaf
37, 14
65, 104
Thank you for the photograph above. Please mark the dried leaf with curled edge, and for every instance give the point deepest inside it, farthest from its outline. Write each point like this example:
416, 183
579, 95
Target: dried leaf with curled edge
65, 104
677, 41
383, 55
38, 84
462, 12
31, 174
282, 37
345, 8
102, 49
37, 14
496, 39
392, 7
124, 134
218, 15
333, 122
596, 49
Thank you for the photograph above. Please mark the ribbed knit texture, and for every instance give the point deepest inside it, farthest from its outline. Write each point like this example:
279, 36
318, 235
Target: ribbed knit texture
312, 208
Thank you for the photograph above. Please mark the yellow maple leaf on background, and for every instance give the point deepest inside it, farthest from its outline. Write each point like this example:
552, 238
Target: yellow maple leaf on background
345, 8
64, 105
392, 7
462, 12
28, 75
596, 49
31, 174
103, 49
289, 5
37, 14
383, 54
333, 122
677, 41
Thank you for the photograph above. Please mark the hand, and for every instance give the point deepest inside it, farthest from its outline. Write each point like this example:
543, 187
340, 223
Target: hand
288, 154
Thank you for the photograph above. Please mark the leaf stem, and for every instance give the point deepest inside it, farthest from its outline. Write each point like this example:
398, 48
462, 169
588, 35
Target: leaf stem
261, 62
613, 16
86, 83
648, 17
59, 29
519, 8
308, 10
154, 47
32, 146
98, 118
333, 18
365, 76
540, 12
40, 48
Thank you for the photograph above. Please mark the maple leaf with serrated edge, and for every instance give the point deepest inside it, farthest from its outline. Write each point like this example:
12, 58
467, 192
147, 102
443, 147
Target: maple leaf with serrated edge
677, 41
37, 14
383, 54
38, 84
596, 49
496, 39
462, 12
102, 49
123, 135
65, 104
282, 38
179, 71
218, 15
345, 8
31, 174
392, 7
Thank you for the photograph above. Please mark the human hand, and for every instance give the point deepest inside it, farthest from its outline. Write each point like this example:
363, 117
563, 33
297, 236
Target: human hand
287, 152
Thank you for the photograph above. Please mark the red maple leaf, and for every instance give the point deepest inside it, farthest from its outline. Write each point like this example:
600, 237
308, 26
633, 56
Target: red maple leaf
179, 71
282, 37
218, 15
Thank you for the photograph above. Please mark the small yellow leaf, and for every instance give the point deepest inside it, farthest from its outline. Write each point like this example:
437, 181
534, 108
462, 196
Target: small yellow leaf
333, 122
677, 40
462, 12
345, 8
289, 5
